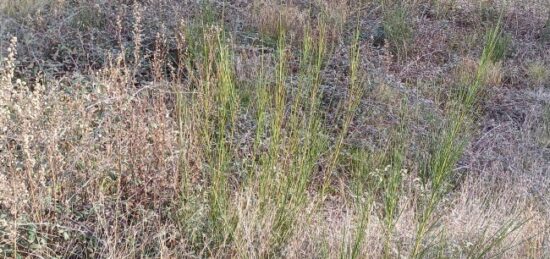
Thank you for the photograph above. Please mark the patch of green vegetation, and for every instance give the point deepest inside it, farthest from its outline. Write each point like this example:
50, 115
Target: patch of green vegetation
398, 30
544, 131
488, 12
89, 17
444, 9
449, 144
502, 45
545, 32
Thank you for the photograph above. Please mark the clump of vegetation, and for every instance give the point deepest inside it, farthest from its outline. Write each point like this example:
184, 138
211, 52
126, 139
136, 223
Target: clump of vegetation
545, 33
14, 8
544, 130
398, 30
538, 73
501, 45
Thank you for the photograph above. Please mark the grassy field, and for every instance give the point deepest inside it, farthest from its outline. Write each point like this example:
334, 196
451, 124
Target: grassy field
274, 129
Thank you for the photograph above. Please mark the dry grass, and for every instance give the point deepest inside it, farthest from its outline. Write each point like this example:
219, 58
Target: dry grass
251, 129
538, 73
22, 7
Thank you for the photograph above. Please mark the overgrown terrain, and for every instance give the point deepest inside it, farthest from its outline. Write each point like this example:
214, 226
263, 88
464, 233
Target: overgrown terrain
268, 129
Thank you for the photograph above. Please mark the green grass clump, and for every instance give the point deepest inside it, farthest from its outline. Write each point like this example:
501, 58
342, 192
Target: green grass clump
448, 147
398, 30
545, 33
544, 130
501, 44
88, 18
287, 143
211, 111
362, 196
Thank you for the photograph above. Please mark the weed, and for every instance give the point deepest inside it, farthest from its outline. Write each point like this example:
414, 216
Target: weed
538, 73
89, 18
398, 30
450, 144
545, 32
501, 48
544, 130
